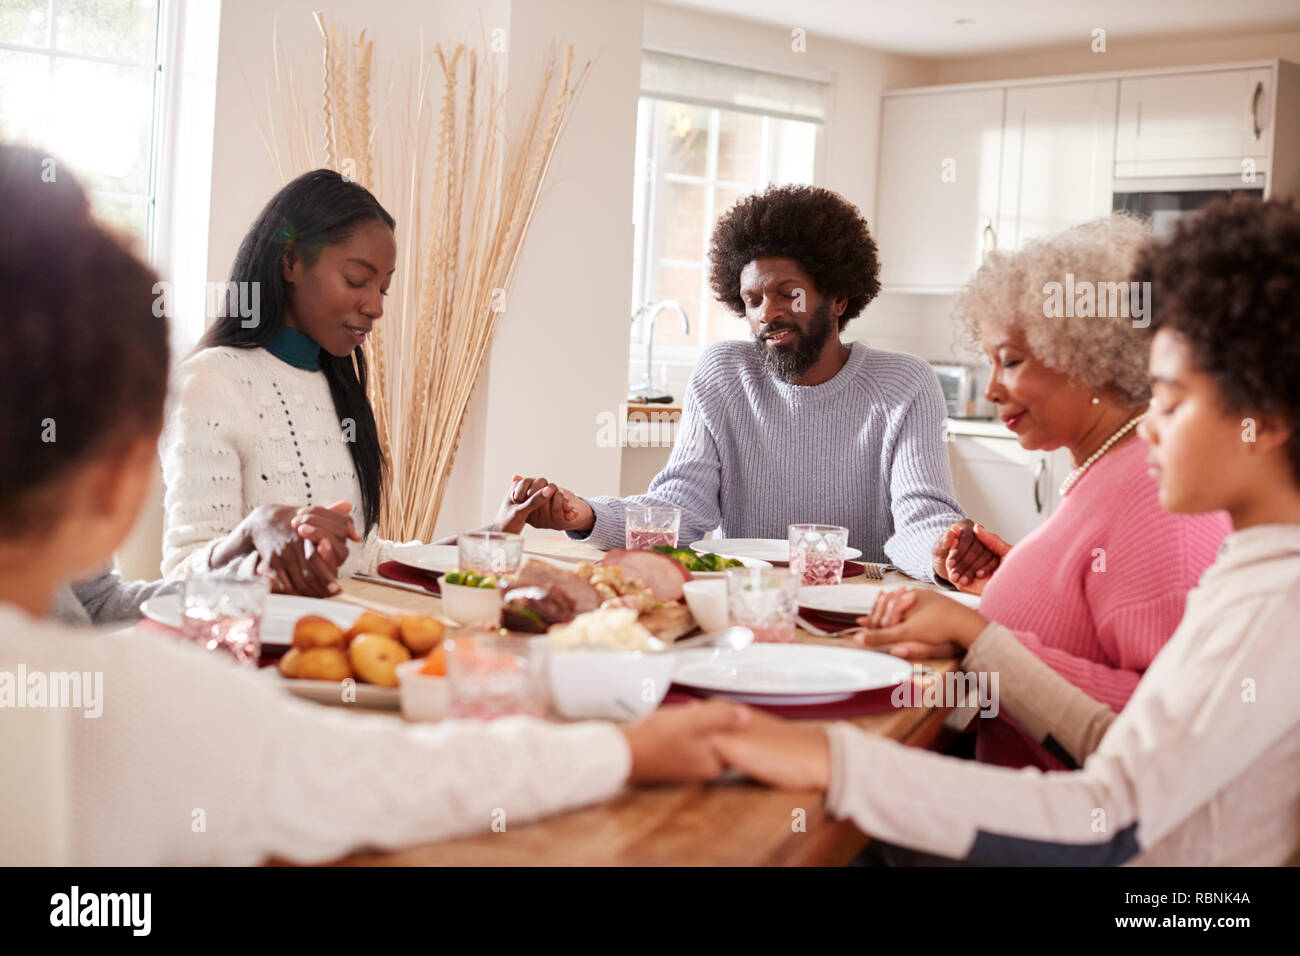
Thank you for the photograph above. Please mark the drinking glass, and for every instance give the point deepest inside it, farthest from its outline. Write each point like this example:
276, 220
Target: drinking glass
763, 600
490, 552
817, 552
494, 675
224, 612
646, 526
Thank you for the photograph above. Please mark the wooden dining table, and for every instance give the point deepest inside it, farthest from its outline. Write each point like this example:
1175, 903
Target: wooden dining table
729, 822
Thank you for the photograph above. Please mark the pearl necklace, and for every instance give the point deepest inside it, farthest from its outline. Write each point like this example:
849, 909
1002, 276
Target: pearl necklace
1073, 477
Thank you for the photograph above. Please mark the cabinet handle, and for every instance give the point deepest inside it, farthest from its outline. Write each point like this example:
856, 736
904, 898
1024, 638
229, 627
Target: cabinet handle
984, 235
1254, 108
1038, 474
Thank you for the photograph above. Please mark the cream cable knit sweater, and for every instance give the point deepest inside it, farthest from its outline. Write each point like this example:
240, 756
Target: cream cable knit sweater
184, 736
246, 429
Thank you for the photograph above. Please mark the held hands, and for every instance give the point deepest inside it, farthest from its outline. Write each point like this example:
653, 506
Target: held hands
695, 742
676, 744
301, 549
967, 554
779, 753
920, 624
542, 504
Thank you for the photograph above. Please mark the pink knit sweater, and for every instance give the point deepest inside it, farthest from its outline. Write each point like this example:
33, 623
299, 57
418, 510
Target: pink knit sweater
1097, 589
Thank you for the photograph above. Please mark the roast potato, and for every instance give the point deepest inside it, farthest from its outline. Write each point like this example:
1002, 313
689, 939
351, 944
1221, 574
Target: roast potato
371, 623
290, 661
322, 663
420, 633
316, 631
375, 657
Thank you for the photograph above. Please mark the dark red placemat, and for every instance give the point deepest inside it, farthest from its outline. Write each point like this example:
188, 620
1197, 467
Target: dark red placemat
851, 568
859, 705
829, 622
406, 574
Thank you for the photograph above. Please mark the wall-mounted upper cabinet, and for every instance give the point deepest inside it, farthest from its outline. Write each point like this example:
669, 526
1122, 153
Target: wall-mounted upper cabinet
1032, 157
1057, 145
937, 206
1199, 124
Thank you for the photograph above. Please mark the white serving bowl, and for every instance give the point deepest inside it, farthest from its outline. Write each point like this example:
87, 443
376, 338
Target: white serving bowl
423, 697
470, 606
602, 684
708, 603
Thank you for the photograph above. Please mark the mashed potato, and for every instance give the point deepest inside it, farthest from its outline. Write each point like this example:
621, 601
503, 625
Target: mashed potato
612, 627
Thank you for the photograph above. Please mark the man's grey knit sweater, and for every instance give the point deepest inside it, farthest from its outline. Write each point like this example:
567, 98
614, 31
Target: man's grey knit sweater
754, 454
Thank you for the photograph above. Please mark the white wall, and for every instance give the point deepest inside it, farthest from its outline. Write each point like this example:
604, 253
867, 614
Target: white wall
560, 357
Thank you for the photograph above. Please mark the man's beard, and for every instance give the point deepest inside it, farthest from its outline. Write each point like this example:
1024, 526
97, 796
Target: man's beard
790, 363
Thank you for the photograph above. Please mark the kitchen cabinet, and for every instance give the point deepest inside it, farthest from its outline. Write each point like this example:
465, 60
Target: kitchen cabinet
937, 208
1007, 489
1203, 123
1032, 157
1057, 144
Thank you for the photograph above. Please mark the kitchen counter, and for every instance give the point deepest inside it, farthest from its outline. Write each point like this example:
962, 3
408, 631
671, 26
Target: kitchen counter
981, 427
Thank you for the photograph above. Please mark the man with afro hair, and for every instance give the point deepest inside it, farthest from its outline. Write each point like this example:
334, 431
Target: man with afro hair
796, 425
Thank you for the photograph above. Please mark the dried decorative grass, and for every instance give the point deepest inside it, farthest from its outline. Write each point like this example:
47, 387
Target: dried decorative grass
464, 194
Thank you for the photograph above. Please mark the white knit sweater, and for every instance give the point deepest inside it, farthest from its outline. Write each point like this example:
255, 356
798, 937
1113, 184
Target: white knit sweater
194, 759
245, 429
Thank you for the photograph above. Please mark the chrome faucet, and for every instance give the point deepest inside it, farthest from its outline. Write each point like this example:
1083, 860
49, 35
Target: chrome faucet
646, 389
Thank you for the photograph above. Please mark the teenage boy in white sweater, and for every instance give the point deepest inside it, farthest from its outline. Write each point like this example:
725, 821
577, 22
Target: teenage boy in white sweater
1201, 767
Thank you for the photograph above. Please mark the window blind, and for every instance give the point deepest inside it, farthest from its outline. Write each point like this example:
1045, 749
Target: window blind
685, 79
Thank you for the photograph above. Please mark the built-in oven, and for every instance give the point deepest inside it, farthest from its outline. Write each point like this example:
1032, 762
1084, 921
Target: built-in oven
1163, 200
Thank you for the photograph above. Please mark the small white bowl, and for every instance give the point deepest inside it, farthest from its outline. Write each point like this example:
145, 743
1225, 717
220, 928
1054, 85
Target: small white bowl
470, 606
708, 603
423, 696
603, 684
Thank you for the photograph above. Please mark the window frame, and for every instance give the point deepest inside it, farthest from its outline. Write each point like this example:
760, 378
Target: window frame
648, 242
149, 199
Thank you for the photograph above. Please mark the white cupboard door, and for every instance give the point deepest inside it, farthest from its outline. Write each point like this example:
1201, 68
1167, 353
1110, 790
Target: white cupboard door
1058, 152
1195, 124
1007, 489
936, 212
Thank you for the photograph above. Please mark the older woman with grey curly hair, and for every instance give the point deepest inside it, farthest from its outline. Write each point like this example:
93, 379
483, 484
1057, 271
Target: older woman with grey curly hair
1098, 588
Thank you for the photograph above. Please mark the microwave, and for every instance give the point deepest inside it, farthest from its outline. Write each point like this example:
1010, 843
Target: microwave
963, 390
1163, 200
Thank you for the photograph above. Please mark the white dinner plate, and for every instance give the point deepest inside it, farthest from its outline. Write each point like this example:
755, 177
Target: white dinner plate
857, 599
788, 673
774, 550
428, 557
440, 558
331, 692
282, 613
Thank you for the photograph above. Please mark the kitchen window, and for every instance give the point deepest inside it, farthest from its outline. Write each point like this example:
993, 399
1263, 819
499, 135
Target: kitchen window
79, 78
707, 135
